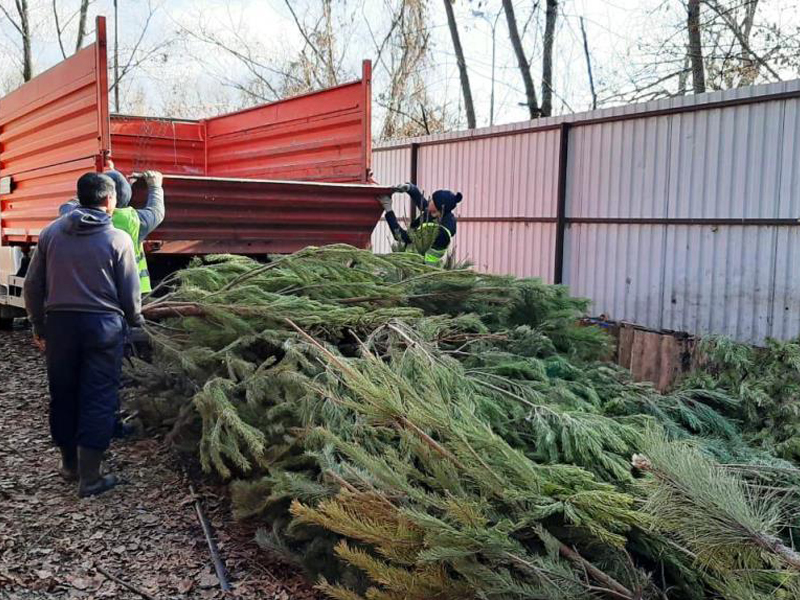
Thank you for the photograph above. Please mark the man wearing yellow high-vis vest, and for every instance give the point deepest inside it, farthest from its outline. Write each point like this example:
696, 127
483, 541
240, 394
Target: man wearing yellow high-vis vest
136, 222
436, 213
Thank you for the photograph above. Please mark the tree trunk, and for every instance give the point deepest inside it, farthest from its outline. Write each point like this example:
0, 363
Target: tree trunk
547, 57
82, 24
25, 27
750, 67
695, 47
684, 76
462, 64
116, 57
522, 61
589, 65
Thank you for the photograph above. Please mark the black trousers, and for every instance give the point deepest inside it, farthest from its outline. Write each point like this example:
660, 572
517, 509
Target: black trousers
84, 365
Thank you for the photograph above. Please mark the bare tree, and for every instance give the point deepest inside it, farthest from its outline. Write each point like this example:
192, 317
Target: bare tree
588, 64
466, 90
401, 42
749, 60
22, 24
733, 43
402, 54
551, 15
84, 12
137, 55
683, 76
695, 46
81, 14
320, 39
522, 60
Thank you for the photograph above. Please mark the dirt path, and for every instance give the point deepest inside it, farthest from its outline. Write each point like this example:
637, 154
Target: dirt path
54, 545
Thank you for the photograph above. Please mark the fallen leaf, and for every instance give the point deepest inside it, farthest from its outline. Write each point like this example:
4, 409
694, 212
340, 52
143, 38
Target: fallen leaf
208, 580
184, 585
148, 519
79, 583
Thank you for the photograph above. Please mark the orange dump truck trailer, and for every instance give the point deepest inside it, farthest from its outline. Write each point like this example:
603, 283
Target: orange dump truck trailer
269, 179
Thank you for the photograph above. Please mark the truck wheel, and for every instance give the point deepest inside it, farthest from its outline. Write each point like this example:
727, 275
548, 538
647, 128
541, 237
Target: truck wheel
6, 324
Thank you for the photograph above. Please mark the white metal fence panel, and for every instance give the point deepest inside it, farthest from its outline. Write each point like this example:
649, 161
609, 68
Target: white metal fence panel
619, 169
390, 167
509, 177
619, 267
521, 248
506, 222
786, 290
680, 214
719, 280
725, 162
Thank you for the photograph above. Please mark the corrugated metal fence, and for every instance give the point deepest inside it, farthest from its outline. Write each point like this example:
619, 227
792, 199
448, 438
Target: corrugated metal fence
679, 214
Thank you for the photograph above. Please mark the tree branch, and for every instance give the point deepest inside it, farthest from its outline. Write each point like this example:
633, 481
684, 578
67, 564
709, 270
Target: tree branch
58, 30
741, 39
305, 35
81, 24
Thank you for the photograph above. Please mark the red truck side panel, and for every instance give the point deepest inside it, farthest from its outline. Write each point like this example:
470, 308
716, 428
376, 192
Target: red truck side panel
209, 215
170, 146
52, 129
321, 136
272, 178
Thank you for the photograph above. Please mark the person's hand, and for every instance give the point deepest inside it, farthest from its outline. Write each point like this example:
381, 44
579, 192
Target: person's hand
39, 343
386, 202
153, 178
403, 187
110, 164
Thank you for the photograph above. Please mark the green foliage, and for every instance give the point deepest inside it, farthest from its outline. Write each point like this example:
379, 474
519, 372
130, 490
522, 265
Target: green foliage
403, 431
731, 526
766, 383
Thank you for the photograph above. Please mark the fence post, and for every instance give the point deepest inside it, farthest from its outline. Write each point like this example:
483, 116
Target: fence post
413, 177
561, 202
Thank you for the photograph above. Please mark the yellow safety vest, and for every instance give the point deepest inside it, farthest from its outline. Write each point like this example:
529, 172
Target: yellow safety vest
433, 256
127, 220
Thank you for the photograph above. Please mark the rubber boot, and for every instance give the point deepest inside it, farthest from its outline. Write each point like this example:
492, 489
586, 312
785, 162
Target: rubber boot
69, 463
92, 482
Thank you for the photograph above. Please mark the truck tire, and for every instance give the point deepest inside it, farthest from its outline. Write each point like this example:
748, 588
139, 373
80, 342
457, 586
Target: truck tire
6, 324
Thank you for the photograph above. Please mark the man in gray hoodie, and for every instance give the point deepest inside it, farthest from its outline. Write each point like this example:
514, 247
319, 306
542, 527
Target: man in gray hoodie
137, 223
81, 287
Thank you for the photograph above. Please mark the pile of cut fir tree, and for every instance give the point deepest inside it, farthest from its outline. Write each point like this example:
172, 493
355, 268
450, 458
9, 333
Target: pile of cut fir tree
407, 432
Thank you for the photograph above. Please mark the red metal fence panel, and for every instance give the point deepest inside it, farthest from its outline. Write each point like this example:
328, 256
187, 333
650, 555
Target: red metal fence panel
52, 129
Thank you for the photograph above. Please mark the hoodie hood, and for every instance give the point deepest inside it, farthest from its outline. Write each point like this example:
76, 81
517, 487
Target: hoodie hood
446, 201
124, 191
86, 221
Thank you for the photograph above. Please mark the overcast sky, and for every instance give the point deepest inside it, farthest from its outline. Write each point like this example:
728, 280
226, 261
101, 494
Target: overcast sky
198, 76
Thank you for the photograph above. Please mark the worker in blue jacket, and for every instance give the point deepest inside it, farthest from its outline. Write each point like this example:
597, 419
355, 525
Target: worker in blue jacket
436, 212
138, 223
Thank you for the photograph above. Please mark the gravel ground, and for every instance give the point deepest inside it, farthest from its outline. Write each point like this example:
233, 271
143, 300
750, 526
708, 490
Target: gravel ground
144, 533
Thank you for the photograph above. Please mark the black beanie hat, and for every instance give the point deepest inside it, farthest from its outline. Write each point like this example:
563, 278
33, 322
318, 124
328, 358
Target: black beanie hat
124, 192
445, 200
